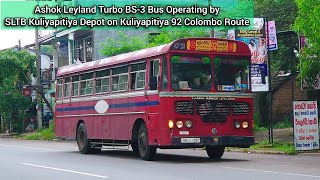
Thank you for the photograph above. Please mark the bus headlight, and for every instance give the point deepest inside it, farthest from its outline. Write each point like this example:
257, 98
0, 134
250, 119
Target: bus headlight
245, 125
170, 124
237, 124
179, 124
188, 124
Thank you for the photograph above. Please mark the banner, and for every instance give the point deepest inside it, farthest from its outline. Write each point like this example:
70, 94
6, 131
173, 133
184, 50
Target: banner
272, 36
306, 129
256, 40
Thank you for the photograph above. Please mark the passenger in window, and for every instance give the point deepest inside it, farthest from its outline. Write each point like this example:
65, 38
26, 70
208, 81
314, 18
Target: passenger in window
206, 79
175, 82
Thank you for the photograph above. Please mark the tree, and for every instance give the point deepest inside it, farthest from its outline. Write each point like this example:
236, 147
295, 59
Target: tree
168, 36
284, 13
125, 43
16, 68
308, 24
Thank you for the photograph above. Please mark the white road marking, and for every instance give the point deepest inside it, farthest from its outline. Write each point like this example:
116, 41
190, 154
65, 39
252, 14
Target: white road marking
274, 172
25, 147
64, 170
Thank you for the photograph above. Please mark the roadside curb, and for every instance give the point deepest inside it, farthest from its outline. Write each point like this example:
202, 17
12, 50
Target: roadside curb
255, 151
6, 136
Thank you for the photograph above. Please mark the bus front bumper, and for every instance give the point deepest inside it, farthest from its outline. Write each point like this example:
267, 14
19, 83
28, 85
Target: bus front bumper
227, 141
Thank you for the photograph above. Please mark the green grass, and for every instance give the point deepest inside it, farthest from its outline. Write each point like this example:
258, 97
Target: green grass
257, 128
286, 147
42, 134
285, 123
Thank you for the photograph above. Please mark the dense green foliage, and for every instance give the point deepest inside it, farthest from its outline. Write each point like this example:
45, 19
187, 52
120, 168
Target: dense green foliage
284, 13
308, 24
16, 68
125, 43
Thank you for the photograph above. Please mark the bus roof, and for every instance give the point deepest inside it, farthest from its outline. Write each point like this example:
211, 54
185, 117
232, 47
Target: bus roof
242, 49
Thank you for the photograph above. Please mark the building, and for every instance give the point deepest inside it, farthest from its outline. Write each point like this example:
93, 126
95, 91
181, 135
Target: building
285, 89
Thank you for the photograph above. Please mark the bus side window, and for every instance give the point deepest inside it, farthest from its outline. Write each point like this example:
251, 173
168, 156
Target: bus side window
67, 86
120, 78
102, 81
86, 83
138, 75
75, 85
154, 70
60, 87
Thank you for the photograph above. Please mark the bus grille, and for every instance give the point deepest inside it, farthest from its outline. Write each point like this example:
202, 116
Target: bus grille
213, 111
241, 108
184, 107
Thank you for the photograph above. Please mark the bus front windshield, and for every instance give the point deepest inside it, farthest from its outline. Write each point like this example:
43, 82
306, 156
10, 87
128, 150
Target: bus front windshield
231, 74
192, 73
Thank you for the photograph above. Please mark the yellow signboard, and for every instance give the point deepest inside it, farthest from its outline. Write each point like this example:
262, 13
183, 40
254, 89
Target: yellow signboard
211, 45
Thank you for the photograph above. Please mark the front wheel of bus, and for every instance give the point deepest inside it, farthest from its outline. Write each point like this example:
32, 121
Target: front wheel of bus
146, 151
215, 152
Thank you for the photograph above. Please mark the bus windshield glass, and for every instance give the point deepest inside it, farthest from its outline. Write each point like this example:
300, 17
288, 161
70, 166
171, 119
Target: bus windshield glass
231, 74
191, 73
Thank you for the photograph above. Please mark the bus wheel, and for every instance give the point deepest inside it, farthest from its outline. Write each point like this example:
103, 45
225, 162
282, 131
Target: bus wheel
215, 152
83, 142
146, 151
135, 148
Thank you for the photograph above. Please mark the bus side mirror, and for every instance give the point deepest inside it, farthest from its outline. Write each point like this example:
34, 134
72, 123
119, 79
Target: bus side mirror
153, 83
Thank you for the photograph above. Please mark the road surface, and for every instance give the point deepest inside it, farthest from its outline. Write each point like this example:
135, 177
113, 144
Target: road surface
41, 160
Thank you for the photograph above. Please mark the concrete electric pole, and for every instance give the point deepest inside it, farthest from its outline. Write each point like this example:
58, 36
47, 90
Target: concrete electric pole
38, 84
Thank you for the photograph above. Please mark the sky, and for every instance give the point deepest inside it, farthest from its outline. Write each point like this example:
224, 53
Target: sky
10, 38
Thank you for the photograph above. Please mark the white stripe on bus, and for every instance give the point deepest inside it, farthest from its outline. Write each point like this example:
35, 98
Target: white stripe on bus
106, 96
105, 114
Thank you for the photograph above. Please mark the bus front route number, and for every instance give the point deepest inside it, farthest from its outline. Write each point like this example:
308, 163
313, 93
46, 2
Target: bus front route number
190, 140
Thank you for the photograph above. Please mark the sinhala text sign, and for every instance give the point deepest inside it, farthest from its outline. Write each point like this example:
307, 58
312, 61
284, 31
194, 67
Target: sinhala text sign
306, 129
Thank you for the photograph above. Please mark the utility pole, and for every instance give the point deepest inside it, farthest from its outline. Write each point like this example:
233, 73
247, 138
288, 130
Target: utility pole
211, 31
38, 84
19, 45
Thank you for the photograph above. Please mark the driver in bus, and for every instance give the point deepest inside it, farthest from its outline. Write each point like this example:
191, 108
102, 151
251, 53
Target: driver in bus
201, 82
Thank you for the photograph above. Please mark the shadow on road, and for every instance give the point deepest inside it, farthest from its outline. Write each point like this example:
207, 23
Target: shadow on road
163, 157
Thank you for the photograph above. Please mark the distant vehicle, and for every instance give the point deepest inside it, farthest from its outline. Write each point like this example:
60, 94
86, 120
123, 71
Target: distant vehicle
190, 93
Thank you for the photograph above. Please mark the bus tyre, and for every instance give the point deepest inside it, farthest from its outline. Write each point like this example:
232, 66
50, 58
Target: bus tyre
83, 142
134, 146
146, 151
215, 152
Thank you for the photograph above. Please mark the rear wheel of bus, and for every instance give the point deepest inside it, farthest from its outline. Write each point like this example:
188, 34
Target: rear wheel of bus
83, 142
215, 152
146, 151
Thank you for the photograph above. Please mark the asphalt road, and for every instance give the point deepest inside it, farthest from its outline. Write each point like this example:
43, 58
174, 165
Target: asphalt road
40, 160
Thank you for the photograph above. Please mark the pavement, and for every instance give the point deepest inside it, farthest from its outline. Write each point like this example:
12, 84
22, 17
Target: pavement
50, 160
260, 137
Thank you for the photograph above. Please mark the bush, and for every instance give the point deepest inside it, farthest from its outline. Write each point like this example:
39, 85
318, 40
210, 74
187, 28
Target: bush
42, 134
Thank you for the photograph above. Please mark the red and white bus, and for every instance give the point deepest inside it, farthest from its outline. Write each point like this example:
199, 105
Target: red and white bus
190, 93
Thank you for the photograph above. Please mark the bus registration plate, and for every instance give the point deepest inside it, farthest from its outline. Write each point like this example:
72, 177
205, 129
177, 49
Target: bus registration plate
190, 140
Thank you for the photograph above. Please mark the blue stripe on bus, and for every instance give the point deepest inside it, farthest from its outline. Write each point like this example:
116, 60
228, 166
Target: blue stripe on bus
75, 108
123, 105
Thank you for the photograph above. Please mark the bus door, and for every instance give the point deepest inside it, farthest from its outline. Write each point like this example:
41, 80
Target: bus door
152, 96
